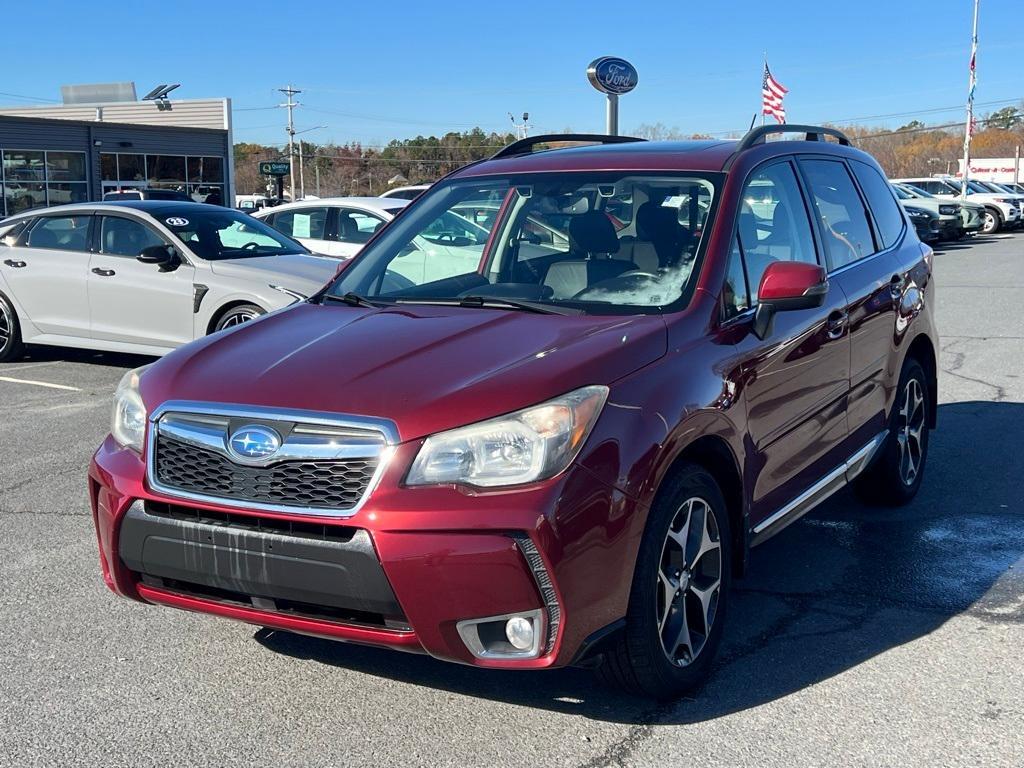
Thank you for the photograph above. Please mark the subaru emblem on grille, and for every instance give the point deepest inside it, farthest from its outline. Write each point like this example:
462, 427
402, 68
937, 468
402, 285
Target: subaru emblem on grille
254, 442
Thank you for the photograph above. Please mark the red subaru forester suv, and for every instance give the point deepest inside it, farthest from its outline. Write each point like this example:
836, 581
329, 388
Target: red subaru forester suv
544, 415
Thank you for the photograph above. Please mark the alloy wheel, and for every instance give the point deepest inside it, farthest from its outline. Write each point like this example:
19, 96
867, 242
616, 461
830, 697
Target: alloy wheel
909, 431
689, 581
990, 223
237, 318
6, 325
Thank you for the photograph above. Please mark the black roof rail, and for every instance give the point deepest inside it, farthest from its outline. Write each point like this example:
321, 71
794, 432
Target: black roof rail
525, 146
758, 135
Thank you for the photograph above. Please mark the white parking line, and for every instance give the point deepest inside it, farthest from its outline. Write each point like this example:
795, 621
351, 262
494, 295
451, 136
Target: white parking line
25, 366
39, 383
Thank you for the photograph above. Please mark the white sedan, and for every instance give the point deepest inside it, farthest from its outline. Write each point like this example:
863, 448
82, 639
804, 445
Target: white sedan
143, 276
340, 226
333, 226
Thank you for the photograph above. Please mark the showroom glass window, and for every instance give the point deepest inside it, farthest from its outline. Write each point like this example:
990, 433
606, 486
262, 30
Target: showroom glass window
38, 178
200, 177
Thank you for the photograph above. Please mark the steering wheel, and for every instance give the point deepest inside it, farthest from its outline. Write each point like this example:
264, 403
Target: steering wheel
640, 273
250, 246
445, 236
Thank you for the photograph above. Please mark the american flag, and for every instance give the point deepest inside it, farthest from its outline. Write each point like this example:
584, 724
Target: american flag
772, 92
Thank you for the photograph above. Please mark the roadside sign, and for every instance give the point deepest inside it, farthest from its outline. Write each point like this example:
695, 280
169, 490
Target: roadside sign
612, 75
274, 168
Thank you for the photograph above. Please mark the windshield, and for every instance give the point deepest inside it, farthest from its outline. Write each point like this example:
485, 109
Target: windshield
901, 193
220, 233
596, 242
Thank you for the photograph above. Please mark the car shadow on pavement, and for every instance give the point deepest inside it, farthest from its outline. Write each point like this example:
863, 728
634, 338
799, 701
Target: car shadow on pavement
842, 585
42, 354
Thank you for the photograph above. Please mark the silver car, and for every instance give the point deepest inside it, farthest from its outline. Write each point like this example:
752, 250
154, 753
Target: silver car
143, 276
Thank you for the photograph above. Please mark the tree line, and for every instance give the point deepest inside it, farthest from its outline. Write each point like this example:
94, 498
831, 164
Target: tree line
330, 169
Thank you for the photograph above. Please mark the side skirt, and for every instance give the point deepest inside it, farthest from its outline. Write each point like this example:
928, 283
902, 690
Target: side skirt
817, 493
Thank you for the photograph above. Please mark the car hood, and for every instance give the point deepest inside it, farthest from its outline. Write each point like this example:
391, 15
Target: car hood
990, 197
426, 368
299, 271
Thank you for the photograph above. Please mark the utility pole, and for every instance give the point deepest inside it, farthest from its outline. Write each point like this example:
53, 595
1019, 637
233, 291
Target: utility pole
972, 82
290, 106
523, 128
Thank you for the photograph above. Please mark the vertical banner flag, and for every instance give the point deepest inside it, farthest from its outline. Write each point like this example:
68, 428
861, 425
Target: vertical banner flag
772, 92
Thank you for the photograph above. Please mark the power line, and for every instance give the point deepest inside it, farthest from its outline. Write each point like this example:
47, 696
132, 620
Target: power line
28, 98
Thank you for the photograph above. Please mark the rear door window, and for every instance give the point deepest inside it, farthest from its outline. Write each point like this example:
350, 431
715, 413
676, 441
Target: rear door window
63, 233
306, 223
840, 211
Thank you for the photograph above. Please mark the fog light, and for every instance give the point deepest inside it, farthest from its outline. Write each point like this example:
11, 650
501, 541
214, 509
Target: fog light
519, 632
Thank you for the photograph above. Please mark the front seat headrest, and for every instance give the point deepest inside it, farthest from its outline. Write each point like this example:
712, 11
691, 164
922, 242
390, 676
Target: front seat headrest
656, 222
592, 232
747, 226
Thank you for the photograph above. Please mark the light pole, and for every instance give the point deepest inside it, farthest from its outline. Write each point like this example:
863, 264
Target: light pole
302, 173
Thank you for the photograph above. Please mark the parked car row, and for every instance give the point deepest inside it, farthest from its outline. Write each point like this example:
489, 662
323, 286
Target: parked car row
542, 417
1001, 206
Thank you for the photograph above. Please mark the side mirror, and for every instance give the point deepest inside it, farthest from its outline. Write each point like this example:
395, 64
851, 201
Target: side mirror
164, 256
787, 286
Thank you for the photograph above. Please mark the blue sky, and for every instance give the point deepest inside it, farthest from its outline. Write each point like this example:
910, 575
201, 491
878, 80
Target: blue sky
375, 71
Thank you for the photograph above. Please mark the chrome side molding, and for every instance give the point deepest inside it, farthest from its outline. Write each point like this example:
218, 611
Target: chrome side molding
817, 493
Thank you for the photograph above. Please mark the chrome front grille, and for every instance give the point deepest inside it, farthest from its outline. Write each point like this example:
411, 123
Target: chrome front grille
324, 464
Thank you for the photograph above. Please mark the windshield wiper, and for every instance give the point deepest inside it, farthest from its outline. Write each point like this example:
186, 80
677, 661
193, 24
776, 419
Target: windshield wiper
492, 302
354, 300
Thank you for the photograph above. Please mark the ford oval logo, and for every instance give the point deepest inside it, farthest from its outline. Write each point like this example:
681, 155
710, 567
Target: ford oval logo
613, 75
254, 442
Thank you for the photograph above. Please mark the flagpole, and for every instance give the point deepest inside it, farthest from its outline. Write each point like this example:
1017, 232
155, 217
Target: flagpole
762, 80
972, 82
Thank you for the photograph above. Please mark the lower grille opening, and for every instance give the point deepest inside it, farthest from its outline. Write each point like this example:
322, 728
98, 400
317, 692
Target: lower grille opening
251, 523
277, 605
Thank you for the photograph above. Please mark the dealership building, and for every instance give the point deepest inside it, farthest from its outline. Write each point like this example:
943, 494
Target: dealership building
102, 139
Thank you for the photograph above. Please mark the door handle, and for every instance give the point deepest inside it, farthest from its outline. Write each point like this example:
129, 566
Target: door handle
15, 264
103, 272
836, 324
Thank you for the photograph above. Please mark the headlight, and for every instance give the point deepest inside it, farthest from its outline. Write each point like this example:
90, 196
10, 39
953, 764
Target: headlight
522, 447
128, 425
917, 213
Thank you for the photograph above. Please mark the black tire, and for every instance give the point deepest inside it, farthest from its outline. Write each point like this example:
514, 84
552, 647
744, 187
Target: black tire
238, 314
637, 660
993, 222
11, 346
889, 481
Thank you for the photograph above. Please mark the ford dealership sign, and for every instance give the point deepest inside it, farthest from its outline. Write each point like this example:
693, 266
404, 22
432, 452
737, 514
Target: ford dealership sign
612, 75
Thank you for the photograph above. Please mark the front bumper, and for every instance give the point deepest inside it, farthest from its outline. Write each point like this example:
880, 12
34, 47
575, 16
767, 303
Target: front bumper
402, 572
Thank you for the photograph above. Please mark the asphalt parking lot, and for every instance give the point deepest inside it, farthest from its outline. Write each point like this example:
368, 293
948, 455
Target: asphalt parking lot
859, 637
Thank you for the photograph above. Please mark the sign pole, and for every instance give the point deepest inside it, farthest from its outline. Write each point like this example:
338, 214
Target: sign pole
613, 114
613, 77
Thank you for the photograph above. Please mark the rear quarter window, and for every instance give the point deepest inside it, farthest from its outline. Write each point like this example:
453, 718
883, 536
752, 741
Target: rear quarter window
887, 213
